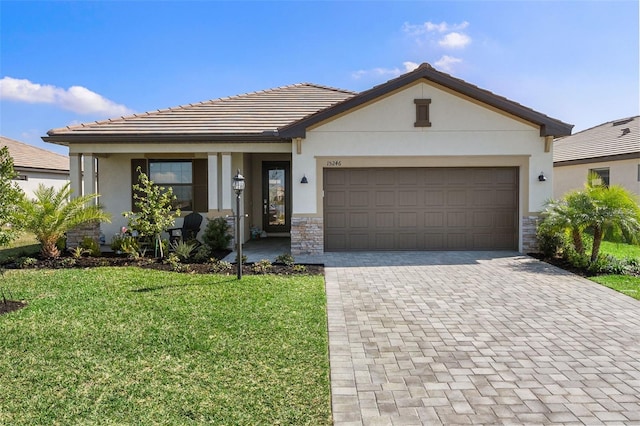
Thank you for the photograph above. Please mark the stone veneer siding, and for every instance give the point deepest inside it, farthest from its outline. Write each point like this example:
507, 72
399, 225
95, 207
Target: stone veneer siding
529, 239
307, 236
76, 235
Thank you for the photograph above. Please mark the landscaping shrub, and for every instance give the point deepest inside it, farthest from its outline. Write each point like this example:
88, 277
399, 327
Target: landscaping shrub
216, 234
183, 250
262, 266
286, 259
91, 246
202, 254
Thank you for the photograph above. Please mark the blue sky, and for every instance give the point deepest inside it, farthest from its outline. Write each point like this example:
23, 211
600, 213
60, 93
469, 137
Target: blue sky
63, 62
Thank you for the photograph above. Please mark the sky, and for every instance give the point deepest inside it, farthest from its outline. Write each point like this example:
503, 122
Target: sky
70, 62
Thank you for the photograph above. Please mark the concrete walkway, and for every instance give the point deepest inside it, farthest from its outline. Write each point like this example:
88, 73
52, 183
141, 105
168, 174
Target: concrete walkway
477, 338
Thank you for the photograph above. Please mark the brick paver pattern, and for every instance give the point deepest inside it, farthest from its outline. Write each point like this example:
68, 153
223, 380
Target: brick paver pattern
477, 338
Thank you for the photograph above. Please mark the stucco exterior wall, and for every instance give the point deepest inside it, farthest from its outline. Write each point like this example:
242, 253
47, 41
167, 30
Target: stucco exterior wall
621, 172
36, 178
462, 133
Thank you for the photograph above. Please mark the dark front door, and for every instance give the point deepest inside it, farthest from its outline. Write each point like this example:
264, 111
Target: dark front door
276, 196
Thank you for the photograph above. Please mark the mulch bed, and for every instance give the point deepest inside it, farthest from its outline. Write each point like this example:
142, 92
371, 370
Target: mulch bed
10, 306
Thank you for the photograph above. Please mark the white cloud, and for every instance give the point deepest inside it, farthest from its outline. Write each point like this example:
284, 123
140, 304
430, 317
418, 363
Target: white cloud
455, 40
77, 98
446, 62
429, 27
388, 72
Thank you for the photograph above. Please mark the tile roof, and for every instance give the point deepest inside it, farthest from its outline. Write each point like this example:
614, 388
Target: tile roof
613, 138
30, 157
256, 114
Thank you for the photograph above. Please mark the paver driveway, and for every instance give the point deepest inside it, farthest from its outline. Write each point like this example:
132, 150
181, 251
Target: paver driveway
480, 338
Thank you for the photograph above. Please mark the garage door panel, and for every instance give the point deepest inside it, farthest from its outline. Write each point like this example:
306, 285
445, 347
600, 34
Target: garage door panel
357, 177
335, 198
408, 242
434, 198
359, 220
385, 220
434, 219
407, 220
457, 197
337, 221
385, 198
421, 209
358, 199
382, 241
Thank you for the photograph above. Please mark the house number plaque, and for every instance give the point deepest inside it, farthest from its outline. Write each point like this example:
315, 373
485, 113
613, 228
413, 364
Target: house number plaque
334, 163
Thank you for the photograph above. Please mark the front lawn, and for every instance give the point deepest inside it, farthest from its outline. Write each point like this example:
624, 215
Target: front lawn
626, 284
134, 346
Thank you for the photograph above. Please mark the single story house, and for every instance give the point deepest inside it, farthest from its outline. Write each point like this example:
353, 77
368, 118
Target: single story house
424, 161
612, 150
36, 166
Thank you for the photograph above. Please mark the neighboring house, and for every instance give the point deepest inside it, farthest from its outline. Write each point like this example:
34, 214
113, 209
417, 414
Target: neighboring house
36, 166
611, 150
422, 162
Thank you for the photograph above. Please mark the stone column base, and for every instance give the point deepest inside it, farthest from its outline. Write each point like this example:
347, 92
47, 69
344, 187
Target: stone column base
529, 235
76, 235
307, 235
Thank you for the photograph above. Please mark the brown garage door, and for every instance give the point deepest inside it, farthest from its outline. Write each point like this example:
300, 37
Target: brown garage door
421, 209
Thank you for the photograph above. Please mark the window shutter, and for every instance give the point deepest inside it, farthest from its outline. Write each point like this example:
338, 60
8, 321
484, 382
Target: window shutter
135, 175
422, 112
200, 186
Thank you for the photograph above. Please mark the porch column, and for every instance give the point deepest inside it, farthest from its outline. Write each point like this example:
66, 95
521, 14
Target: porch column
89, 179
226, 181
75, 174
212, 185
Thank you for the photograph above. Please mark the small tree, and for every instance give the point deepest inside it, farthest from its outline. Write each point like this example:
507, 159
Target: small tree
216, 235
10, 195
52, 213
155, 213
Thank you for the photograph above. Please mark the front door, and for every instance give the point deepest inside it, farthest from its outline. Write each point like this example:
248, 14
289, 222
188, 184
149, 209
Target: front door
276, 194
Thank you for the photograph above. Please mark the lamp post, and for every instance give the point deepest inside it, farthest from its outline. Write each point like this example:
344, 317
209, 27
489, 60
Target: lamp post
238, 187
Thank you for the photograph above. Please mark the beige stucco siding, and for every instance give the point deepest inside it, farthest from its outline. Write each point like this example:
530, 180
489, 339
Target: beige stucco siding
621, 172
34, 179
463, 133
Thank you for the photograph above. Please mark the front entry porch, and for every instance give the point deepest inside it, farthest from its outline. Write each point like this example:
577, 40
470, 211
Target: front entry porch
263, 248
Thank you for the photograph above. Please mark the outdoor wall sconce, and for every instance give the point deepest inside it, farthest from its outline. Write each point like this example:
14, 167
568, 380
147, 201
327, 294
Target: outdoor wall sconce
238, 187
542, 177
304, 179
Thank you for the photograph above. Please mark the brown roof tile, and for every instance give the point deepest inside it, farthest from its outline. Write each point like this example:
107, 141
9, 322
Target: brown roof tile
256, 114
30, 157
613, 138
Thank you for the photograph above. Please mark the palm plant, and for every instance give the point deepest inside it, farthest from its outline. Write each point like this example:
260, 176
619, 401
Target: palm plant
53, 212
612, 208
597, 208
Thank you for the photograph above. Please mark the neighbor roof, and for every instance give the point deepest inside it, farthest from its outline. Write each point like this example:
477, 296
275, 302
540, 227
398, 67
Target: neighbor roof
251, 116
29, 157
618, 139
548, 126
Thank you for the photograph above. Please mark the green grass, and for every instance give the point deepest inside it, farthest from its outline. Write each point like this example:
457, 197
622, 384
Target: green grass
133, 346
623, 283
24, 245
620, 250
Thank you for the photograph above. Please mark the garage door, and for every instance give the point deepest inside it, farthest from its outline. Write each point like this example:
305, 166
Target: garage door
421, 209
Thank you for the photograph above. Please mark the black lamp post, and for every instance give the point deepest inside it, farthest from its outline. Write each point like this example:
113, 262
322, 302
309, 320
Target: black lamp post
238, 187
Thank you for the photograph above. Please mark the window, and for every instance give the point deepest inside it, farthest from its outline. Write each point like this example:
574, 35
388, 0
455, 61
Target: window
20, 177
187, 178
177, 175
603, 175
422, 112
638, 172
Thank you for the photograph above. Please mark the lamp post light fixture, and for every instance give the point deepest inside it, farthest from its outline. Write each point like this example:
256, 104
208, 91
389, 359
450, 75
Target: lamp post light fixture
238, 187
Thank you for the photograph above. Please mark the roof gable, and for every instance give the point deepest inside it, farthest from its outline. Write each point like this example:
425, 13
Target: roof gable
614, 138
255, 115
27, 156
548, 125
